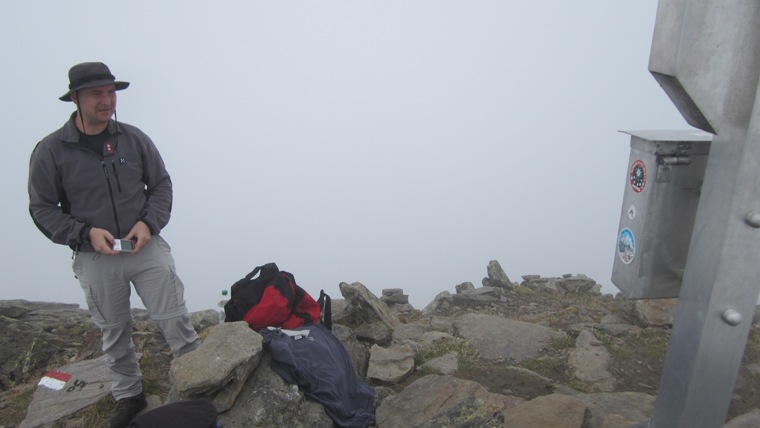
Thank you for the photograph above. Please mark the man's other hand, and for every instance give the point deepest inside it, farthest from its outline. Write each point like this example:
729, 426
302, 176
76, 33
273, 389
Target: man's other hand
102, 241
140, 235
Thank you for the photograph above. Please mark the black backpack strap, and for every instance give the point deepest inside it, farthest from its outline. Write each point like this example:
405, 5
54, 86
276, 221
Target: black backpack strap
244, 280
247, 291
325, 305
268, 268
253, 272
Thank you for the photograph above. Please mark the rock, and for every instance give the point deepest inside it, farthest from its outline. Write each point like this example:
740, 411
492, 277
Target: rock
218, 369
338, 307
358, 353
590, 361
204, 319
526, 383
612, 319
402, 310
430, 338
465, 286
390, 365
374, 333
364, 307
617, 409
483, 296
497, 338
394, 296
410, 333
381, 393
496, 276
443, 324
555, 410
579, 284
436, 401
484, 320
445, 364
482, 293
747, 420
473, 298
754, 368
611, 329
267, 401
31, 334
67, 390
538, 283
655, 312
567, 283
440, 305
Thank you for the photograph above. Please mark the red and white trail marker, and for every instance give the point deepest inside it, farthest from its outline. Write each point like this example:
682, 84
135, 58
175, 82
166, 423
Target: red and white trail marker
55, 379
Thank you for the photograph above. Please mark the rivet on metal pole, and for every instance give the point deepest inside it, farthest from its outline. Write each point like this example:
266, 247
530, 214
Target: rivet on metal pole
732, 317
753, 219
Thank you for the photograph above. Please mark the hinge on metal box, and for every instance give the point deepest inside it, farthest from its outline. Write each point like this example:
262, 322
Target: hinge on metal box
664, 165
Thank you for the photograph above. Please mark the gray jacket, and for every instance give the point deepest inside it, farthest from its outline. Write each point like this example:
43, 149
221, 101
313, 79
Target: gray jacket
71, 188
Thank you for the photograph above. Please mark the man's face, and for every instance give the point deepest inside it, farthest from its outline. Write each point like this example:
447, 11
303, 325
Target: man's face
97, 104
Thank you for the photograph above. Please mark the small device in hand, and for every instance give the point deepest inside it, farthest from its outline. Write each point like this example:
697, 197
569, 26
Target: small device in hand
123, 245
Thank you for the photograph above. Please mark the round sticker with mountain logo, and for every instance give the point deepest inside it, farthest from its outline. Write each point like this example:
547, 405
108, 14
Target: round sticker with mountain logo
626, 245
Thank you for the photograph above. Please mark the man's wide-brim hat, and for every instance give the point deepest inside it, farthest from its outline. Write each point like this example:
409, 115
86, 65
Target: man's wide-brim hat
90, 75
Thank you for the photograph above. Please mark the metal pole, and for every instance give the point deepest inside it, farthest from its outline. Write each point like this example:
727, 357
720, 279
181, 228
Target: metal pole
719, 292
706, 56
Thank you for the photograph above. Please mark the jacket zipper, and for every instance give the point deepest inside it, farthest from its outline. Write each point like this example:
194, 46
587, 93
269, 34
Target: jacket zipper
110, 192
116, 175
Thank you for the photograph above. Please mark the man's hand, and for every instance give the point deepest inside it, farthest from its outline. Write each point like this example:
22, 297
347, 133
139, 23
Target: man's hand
102, 241
140, 234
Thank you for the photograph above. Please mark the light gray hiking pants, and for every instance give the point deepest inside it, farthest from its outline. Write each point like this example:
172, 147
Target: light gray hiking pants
106, 280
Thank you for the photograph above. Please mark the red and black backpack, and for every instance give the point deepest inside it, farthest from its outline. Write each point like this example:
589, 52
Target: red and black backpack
273, 299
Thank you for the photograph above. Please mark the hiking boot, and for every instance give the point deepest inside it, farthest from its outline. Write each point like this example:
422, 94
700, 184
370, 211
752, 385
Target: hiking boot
126, 409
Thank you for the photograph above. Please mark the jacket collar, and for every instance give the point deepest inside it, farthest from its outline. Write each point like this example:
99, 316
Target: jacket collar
70, 132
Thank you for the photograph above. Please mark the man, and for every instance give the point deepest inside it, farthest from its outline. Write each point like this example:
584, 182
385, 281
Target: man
92, 182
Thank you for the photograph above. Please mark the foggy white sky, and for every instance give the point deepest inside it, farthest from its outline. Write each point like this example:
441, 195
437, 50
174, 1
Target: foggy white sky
400, 144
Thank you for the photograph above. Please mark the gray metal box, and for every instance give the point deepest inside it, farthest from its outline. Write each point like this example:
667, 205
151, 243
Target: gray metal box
665, 173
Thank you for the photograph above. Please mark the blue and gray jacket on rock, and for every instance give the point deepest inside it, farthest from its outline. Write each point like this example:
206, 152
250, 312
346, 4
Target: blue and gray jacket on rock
71, 187
320, 365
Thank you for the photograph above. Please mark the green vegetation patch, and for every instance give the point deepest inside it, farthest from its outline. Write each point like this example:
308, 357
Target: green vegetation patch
467, 355
16, 401
560, 342
545, 366
650, 343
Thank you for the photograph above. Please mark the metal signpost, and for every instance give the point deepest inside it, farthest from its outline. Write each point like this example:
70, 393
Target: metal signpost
706, 56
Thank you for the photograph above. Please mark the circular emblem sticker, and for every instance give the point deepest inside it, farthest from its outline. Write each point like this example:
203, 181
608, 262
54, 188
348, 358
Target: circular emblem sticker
626, 246
638, 176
